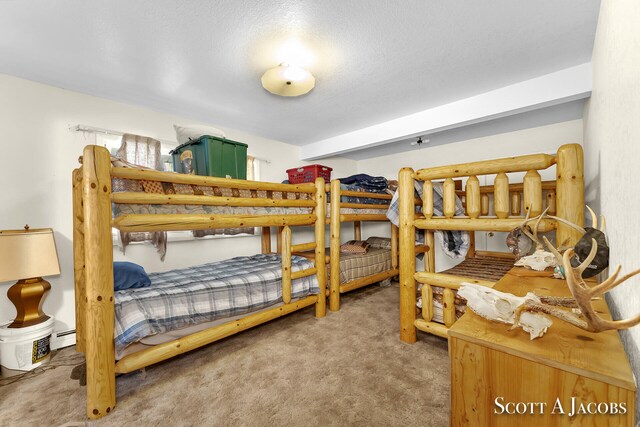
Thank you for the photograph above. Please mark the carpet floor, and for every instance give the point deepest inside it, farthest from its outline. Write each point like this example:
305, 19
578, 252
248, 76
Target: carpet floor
348, 368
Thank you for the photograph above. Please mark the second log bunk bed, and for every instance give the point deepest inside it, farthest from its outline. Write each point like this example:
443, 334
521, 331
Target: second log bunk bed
565, 196
350, 271
296, 282
353, 271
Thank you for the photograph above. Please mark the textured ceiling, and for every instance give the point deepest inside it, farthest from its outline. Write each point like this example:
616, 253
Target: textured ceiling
373, 60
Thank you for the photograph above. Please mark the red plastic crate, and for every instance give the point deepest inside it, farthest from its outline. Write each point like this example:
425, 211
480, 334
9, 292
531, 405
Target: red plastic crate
309, 174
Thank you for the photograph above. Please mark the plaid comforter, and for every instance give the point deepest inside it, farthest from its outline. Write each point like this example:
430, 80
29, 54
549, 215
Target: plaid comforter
355, 266
188, 296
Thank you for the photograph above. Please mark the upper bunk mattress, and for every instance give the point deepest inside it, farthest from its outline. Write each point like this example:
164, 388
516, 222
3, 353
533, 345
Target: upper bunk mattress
189, 296
127, 209
122, 185
128, 185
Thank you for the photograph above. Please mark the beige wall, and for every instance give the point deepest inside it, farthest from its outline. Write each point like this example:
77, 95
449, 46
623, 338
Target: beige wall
612, 151
39, 153
543, 139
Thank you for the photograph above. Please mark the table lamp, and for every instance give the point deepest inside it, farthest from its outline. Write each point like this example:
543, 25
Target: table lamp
27, 255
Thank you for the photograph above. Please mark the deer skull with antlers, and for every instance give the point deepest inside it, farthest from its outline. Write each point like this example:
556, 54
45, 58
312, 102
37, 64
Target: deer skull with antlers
541, 258
582, 296
583, 247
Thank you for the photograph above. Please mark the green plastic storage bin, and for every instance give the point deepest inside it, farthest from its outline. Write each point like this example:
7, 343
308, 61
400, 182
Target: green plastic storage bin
211, 156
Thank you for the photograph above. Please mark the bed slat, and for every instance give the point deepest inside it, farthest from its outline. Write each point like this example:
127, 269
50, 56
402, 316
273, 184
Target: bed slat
363, 217
480, 224
303, 247
432, 328
303, 273
177, 222
448, 281
181, 178
509, 164
364, 281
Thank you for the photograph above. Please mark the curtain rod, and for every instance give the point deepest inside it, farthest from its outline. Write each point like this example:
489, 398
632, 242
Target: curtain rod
93, 129
85, 128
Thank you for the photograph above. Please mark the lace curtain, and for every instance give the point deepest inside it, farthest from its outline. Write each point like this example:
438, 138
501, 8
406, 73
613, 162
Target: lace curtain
141, 151
145, 152
251, 165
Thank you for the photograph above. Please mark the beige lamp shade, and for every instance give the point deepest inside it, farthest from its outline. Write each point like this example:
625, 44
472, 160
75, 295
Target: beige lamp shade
27, 254
288, 80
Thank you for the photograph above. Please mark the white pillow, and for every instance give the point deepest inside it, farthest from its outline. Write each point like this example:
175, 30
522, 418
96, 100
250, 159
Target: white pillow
186, 134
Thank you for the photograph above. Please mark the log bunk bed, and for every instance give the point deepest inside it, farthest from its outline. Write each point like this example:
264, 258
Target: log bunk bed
340, 212
565, 196
348, 272
94, 205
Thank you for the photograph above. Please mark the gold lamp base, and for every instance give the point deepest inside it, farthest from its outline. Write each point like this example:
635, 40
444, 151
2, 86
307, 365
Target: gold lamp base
27, 296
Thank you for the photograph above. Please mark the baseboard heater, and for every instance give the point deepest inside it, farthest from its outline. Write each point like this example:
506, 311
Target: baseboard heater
63, 339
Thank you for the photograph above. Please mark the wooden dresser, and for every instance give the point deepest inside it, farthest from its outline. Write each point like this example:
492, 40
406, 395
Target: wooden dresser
502, 378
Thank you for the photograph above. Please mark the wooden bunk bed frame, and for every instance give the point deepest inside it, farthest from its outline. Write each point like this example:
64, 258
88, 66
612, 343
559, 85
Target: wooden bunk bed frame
565, 196
93, 259
336, 218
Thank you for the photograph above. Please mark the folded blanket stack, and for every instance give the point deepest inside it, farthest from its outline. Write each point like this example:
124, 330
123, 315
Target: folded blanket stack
372, 184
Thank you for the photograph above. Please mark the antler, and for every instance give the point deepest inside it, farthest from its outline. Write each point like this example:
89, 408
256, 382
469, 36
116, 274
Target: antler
594, 220
582, 294
534, 236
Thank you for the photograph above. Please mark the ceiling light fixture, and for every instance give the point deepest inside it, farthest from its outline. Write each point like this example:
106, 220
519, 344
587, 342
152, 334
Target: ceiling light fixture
288, 80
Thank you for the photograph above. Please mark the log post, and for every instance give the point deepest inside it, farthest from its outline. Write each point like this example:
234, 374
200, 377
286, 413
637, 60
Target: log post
569, 192
501, 196
99, 315
334, 266
321, 266
286, 265
551, 202
427, 199
394, 247
532, 193
279, 240
430, 257
357, 230
484, 204
266, 240
78, 259
473, 197
516, 203
448, 307
471, 253
427, 303
408, 260
449, 198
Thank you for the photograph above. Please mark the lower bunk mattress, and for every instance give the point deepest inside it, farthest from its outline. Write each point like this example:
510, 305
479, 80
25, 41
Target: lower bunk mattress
185, 297
356, 266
